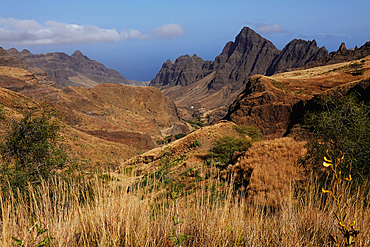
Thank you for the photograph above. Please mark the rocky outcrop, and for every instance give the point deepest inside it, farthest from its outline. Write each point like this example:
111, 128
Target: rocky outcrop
264, 106
74, 70
296, 54
184, 71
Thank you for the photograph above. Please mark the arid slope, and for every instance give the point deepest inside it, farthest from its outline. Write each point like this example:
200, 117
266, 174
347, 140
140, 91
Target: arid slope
275, 103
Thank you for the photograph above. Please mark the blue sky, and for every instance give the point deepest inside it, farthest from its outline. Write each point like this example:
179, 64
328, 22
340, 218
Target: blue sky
136, 37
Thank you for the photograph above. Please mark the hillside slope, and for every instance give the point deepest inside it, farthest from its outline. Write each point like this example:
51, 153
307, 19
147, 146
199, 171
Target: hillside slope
136, 117
74, 70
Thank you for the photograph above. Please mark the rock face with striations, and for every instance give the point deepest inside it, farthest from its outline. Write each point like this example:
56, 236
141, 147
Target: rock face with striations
74, 70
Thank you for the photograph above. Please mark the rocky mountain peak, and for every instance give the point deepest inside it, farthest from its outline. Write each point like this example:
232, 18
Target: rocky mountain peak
248, 55
78, 54
342, 47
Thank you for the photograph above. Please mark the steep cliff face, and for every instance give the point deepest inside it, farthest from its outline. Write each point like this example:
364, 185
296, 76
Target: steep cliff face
74, 70
264, 106
296, 54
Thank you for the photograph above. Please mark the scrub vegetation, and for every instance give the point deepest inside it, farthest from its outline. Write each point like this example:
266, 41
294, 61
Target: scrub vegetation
211, 204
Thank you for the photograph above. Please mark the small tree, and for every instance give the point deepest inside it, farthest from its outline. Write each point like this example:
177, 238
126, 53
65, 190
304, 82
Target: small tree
341, 125
225, 147
31, 150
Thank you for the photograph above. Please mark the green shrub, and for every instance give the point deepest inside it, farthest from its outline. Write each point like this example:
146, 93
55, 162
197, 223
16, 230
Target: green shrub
358, 72
225, 147
195, 144
179, 136
31, 150
342, 125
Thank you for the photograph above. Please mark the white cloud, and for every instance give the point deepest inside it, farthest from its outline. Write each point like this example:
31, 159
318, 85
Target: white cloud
169, 31
273, 28
30, 32
131, 34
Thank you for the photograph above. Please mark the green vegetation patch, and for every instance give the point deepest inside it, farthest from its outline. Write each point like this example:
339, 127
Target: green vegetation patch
2, 113
251, 131
357, 72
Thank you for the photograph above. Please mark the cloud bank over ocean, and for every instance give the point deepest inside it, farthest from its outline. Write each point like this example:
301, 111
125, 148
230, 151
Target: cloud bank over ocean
31, 32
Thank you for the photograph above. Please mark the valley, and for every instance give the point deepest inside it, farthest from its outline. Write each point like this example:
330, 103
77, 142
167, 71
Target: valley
213, 147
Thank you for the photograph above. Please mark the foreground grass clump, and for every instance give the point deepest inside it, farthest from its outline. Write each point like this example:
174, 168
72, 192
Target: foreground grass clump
115, 216
348, 231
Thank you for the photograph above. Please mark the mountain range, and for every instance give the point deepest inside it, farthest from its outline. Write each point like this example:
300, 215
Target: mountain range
250, 83
207, 88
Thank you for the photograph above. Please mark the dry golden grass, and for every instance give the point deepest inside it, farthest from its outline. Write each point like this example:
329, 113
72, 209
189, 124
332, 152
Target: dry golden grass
111, 212
119, 218
274, 168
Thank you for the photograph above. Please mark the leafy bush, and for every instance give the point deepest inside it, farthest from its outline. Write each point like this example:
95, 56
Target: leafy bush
195, 124
225, 147
31, 150
342, 125
195, 144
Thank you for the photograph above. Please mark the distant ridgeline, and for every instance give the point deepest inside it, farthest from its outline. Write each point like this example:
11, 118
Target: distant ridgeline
74, 70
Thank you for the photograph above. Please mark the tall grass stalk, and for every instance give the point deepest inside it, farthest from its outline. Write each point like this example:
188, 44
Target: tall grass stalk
117, 216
